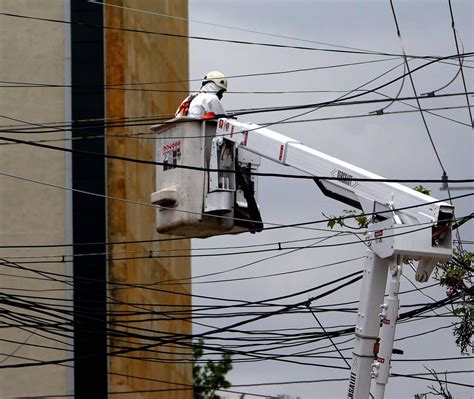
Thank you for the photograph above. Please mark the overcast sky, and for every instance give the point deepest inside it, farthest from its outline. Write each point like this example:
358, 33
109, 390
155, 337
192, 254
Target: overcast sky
394, 146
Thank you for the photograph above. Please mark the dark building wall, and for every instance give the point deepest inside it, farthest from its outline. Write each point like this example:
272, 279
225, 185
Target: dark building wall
89, 212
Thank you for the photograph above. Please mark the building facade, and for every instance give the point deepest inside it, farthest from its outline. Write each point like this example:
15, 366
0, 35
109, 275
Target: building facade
80, 256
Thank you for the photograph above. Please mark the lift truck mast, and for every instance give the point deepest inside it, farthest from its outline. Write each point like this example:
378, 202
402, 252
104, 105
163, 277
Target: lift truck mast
407, 225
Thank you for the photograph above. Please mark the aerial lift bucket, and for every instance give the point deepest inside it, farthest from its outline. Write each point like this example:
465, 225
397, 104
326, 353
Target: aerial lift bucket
198, 192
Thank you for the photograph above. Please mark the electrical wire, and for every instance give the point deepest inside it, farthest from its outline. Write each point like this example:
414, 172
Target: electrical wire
207, 39
178, 238
19, 84
430, 379
342, 244
425, 307
225, 26
227, 328
342, 101
84, 124
414, 89
453, 26
144, 135
204, 169
418, 102
164, 121
289, 313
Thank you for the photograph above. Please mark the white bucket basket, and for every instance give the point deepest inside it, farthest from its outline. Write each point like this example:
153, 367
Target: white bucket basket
182, 195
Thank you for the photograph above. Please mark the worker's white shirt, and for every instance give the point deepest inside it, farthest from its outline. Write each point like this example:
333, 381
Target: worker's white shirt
206, 101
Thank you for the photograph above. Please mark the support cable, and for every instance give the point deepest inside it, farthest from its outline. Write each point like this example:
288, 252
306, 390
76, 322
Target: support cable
460, 61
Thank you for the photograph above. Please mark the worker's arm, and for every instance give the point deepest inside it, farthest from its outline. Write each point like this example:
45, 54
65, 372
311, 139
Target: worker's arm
206, 103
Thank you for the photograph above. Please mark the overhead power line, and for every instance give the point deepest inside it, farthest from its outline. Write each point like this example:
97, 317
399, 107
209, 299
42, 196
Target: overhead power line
414, 89
337, 104
275, 226
225, 26
261, 353
430, 379
231, 327
119, 86
153, 136
345, 331
161, 119
208, 39
460, 62
151, 255
202, 169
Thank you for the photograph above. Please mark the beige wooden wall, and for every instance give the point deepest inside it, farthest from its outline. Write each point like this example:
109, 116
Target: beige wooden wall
139, 58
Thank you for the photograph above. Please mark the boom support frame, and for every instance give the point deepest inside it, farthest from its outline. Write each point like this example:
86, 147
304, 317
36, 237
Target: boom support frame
407, 225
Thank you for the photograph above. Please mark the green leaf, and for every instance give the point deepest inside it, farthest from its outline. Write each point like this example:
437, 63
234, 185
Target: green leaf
209, 377
422, 190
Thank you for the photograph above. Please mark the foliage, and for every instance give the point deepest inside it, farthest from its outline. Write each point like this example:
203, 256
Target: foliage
209, 377
362, 221
422, 190
456, 275
360, 218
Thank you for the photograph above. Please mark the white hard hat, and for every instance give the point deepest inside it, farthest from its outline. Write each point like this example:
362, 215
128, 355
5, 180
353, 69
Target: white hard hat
217, 77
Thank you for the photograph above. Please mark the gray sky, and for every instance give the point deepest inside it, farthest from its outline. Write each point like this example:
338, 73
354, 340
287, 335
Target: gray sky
394, 146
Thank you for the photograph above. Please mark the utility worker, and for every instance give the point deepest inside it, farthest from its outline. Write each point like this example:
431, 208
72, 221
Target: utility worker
206, 102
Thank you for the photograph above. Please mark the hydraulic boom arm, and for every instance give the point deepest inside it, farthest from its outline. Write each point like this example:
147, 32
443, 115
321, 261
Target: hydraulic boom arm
405, 224
381, 198
396, 211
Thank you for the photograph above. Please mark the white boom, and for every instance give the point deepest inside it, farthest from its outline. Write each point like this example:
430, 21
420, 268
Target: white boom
406, 225
397, 210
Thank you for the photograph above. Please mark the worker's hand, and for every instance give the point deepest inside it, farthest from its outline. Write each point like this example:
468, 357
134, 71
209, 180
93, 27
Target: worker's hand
209, 115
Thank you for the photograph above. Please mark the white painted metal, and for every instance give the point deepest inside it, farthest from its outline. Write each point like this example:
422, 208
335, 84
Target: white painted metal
415, 227
367, 326
389, 315
261, 141
192, 203
219, 201
181, 193
388, 238
373, 196
222, 185
406, 211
